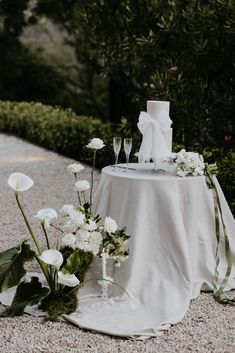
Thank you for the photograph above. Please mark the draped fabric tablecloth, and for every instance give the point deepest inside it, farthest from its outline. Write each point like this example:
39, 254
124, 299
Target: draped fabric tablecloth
172, 249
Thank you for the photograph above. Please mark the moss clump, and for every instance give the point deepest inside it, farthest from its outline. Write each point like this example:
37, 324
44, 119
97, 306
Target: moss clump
56, 304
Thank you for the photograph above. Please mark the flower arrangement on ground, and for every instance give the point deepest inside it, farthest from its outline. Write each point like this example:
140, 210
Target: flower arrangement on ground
64, 264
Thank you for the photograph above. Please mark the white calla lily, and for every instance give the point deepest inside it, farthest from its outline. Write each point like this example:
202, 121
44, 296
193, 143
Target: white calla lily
20, 182
52, 257
68, 279
46, 215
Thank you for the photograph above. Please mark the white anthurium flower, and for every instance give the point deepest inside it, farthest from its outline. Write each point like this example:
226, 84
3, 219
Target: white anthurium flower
110, 225
20, 182
82, 185
69, 240
75, 168
68, 279
77, 217
52, 257
96, 144
66, 209
46, 215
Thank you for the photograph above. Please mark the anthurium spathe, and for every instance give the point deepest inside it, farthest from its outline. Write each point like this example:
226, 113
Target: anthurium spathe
52, 257
68, 280
46, 215
20, 182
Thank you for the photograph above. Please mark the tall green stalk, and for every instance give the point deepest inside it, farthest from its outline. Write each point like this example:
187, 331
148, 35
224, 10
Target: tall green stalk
92, 177
27, 223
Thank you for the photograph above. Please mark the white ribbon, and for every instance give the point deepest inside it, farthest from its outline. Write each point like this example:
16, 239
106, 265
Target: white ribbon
154, 142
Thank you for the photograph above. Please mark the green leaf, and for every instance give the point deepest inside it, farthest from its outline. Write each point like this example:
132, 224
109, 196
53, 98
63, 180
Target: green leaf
73, 263
27, 293
12, 265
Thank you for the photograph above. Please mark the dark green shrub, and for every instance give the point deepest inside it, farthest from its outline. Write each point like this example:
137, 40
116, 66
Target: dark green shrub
66, 133
61, 130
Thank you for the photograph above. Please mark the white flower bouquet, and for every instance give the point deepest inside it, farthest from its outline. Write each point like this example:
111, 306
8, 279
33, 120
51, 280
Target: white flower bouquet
188, 163
64, 264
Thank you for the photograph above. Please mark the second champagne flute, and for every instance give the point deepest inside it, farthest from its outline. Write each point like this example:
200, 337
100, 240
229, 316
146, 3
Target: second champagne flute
117, 142
127, 149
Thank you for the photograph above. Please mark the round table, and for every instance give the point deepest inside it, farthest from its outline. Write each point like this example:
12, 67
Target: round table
172, 247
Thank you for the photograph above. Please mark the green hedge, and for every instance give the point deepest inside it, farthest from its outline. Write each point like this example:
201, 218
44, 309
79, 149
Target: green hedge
66, 133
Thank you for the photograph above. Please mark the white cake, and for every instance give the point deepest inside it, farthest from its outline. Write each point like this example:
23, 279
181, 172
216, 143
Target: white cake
155, 126
155, 110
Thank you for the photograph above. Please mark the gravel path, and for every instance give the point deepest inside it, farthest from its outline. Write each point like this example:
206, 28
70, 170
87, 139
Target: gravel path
207, 326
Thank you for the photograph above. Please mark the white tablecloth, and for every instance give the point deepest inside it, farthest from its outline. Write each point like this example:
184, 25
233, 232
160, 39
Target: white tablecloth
172, 247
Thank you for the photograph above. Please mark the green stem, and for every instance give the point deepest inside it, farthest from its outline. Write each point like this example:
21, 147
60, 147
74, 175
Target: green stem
92, 177
27, 224
79, 197
45, 233
45, 272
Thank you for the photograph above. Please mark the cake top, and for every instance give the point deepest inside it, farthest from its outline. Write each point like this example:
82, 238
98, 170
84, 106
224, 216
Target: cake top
155, 108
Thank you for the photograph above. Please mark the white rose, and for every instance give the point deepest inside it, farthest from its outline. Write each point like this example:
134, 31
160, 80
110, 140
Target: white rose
82, 185
70, 227
91, 225
66, 209
83, 235
181, 173
69, 240
110, 225
75, 168
68, 279
77, 217
96, 144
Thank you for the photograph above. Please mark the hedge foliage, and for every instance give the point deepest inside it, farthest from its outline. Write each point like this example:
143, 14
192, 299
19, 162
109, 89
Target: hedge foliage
64, 132
61, 130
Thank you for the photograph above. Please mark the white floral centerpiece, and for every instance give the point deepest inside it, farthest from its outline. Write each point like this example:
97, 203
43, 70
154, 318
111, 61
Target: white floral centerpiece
64, 264
188, 163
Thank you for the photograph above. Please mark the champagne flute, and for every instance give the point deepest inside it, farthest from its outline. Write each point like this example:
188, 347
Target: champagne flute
127, 149
117, 142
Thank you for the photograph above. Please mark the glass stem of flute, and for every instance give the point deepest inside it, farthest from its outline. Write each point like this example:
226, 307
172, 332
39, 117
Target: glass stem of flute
127, 162
116, 160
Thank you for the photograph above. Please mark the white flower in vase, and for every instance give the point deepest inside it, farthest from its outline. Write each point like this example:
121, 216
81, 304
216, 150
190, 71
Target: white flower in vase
46, 215
96, 144
69, 240
52, 257
82, 186
66, 209
75, 168
110, 225
68, 280
20, 182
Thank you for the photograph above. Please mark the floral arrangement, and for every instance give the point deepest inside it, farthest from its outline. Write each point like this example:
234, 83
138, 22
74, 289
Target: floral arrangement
188, 163
82, 237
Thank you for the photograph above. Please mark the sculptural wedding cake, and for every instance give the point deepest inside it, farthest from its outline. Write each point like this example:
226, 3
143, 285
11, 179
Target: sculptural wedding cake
155, 126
